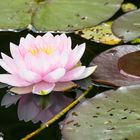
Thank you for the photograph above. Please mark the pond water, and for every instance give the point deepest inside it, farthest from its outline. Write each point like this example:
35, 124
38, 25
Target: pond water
13, 129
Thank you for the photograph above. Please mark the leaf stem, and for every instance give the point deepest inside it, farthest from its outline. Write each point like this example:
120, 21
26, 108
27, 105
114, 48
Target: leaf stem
57, 116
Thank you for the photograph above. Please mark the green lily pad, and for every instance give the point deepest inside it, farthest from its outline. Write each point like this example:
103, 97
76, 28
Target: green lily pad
127, 26
127, 7
111, 115
55, 15
15, 14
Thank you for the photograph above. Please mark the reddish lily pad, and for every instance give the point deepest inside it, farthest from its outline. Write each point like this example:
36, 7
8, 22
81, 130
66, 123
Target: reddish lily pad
108, 71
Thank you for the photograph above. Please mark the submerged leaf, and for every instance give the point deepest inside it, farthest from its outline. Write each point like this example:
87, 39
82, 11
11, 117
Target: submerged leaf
111, 115
101, 34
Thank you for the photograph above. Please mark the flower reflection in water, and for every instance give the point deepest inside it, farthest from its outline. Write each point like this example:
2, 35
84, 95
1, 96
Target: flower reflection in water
37, 108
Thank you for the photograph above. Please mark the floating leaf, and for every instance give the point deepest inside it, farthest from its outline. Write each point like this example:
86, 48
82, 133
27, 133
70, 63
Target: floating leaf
55, 15
127, 7
108, 70
101, 34
15, 14
127, 26
111, 115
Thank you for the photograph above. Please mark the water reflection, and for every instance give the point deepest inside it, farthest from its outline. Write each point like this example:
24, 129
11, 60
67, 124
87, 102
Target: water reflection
37, 108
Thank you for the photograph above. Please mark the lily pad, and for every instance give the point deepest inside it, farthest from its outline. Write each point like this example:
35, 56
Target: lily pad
111, 115
127, 26
108, 66
127, 7
15, 14
101, 34
55, 15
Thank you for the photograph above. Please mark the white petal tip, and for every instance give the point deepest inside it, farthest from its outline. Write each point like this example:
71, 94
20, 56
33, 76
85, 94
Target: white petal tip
94, 68
88, 71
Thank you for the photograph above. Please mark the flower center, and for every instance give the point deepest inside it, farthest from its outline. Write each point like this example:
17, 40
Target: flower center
43, 92
46, 50
129, 64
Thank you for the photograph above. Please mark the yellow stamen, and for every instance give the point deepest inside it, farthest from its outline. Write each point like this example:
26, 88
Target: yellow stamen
47, 50
33, 51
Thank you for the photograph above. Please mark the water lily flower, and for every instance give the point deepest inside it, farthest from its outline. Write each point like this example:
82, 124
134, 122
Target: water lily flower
118, 66
43, 64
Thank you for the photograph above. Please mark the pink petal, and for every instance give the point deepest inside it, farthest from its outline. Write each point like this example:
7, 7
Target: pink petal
43, 88
38, 64
13, 80
10, 63
63, 86
29, 76
48, 39
72, 74
55, 75
39, 42
57, 42
75, 56
21, 90
48, 36
22, 39
4, 66
63, 59
26, 43
88, 71
65, 43
15, 52
29, 37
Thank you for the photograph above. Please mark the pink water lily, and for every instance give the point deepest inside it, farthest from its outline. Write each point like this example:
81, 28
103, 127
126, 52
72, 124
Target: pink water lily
43, 64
